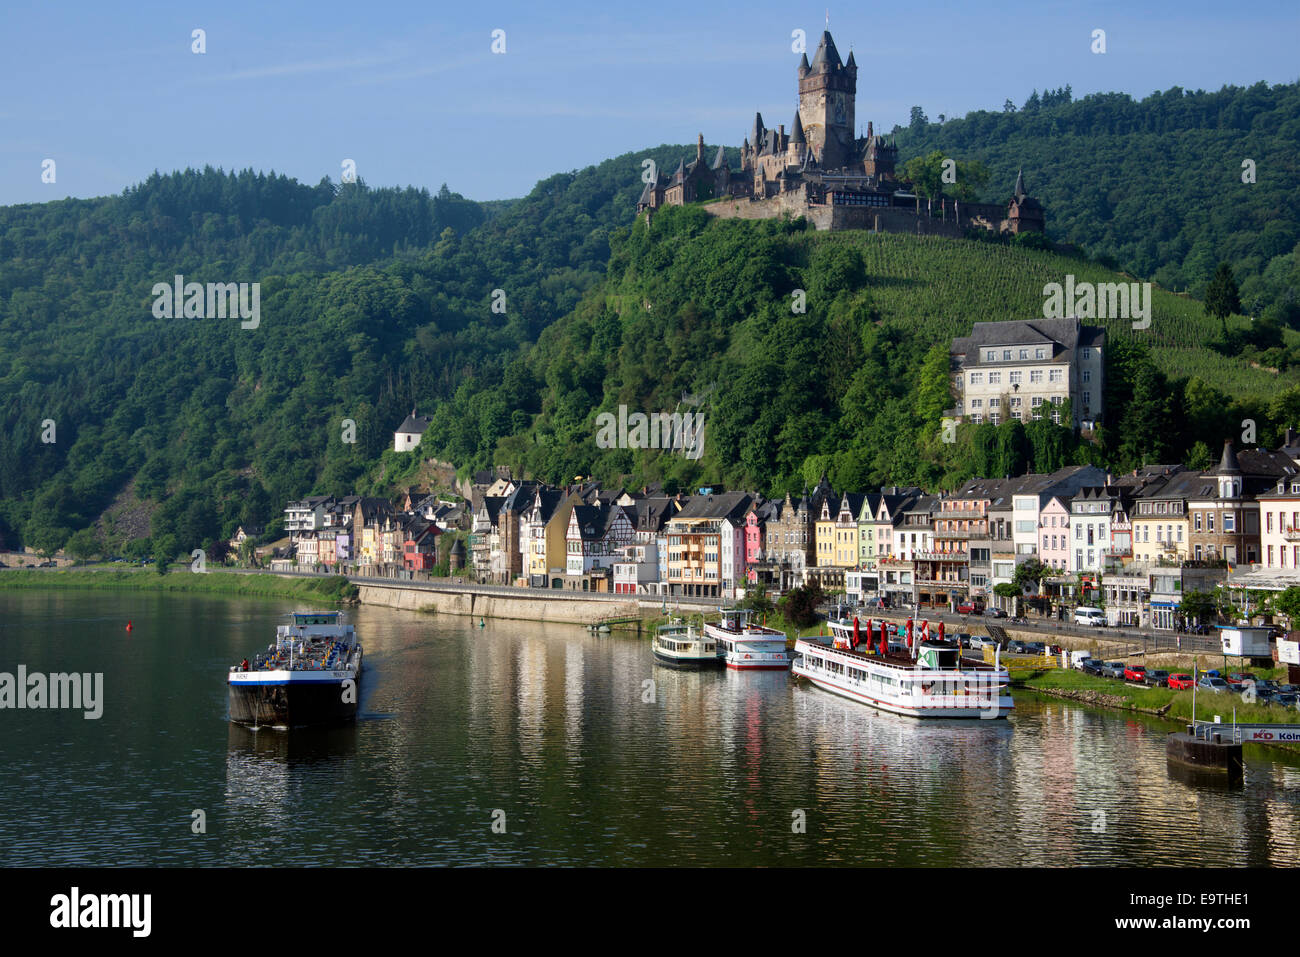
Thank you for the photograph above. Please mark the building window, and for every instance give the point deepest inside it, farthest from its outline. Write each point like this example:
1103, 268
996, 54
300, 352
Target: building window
1087, 400
1006, 355
977, 378
1229, 522
1086, 354
1024, 353
1035, 376
1014, 378
1055, 375
995, 402
995, 378
1040, 353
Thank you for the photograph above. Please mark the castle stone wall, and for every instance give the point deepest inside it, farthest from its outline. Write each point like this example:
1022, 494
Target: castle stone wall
889, 220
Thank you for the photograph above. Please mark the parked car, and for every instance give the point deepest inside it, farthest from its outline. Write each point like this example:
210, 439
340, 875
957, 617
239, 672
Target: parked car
1238, 679
1286, 700
1136, 673
982, 641
1093, 666
994, 613
1180, 682
1288, 689
1035, 648
1112, 669
968, 608
1212, 684
962, 639
1016, 648
1157, 678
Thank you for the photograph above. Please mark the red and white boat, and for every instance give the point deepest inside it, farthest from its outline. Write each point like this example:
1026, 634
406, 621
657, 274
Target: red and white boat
922, 677
746, 646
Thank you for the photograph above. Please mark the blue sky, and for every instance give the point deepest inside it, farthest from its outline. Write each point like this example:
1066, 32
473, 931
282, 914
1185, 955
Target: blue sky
413, 93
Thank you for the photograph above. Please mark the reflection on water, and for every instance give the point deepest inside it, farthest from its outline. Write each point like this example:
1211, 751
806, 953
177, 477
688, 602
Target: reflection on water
593, 753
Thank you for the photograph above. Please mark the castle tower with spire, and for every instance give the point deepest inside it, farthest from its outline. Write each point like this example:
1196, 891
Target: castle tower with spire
822, 171
827, 90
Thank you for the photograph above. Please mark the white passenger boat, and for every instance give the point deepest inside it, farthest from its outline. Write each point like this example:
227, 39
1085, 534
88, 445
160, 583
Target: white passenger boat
683, 646
747, 646
929, 680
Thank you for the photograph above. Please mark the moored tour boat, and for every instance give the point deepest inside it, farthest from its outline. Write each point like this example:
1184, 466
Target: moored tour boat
925, 678
747, 646
682, 646
309, 676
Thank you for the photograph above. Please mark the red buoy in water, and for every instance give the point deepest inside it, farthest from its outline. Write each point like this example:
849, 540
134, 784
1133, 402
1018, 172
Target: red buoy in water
128, 626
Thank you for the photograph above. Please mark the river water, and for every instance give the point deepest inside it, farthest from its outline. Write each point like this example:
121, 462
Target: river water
522, 743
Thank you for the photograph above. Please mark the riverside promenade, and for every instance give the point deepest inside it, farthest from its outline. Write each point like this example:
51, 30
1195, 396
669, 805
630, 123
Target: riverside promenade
507, 601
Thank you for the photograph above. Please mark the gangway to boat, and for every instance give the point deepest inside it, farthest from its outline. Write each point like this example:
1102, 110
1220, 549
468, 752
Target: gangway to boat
1250, 733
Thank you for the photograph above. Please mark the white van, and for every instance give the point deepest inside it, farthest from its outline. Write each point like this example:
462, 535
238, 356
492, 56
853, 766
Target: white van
1092, 617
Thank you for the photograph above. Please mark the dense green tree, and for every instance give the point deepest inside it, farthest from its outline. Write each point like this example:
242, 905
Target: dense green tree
1221, 296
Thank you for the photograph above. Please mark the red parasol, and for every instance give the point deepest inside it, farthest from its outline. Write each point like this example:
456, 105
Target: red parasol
909, 633
856, 638
941, 631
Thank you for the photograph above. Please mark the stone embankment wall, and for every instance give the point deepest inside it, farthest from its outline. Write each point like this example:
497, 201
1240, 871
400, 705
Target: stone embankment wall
542, 607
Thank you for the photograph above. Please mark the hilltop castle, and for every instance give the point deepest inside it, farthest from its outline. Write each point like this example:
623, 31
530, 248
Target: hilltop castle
820, 170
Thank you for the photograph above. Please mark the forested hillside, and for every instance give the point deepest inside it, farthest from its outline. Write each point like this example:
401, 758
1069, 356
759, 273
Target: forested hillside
854, 386
371, 301
377, 300
1153, 185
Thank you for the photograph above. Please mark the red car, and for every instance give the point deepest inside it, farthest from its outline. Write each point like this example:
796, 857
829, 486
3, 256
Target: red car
969, 608
1136, 673
1180, 682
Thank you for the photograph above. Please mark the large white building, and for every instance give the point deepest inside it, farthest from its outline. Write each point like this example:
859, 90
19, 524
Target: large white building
1027, 369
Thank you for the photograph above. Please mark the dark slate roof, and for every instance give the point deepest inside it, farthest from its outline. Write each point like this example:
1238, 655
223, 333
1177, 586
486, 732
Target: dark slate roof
723, 505
416, 424
1180, 485
493, 503
1019, 192
854, 501
1228, 461
458, 548
652, 512
720, 160
796, 134
372, 508
521, 499
1063, 336
827, 57
548, 499
647, 195
1265, 462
